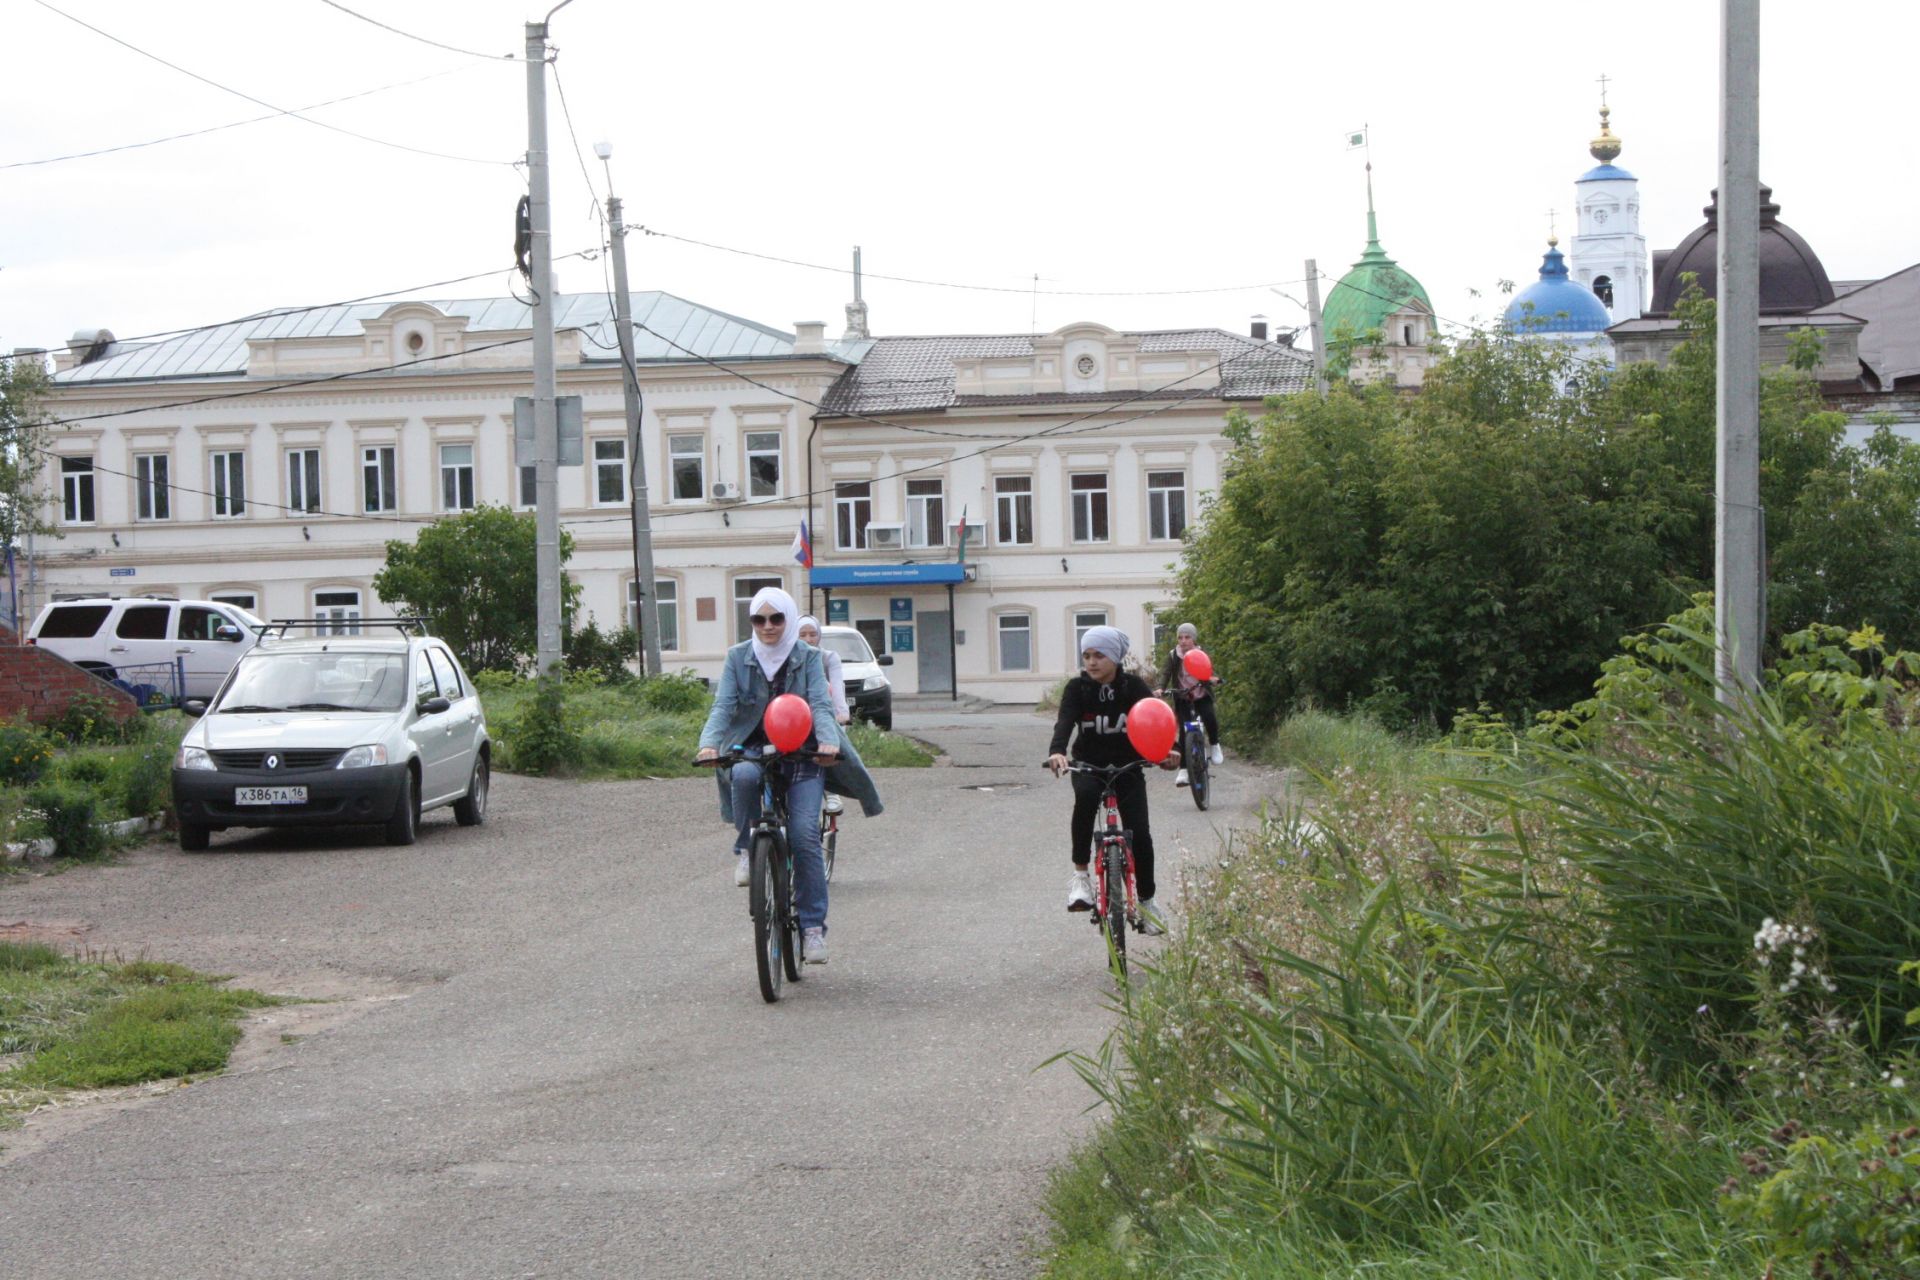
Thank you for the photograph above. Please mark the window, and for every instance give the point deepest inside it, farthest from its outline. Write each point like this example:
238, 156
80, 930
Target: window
687, 461
666, 610
1085, 620
852, 513
229, 485
529, 486
145, 622
152, 495
609, 472
1159, 627
1013, 507
1089, 509
1015, 634
1603, 289
340, 609
242, 599
76, 490
423, 685
456, 477
926, 513
763, 464
376, 479
445, 673
1166, 505
744, 590
303, 482
73, 621
874, 632
197, 622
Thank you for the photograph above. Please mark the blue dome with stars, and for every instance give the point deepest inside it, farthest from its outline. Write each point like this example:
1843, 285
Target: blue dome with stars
1556, 303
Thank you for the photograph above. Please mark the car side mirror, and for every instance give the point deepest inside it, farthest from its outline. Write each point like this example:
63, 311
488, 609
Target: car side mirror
194, 707
434, 706
229, 634
885, 660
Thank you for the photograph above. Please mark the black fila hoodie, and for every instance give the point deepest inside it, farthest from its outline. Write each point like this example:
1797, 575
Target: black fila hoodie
1100, 711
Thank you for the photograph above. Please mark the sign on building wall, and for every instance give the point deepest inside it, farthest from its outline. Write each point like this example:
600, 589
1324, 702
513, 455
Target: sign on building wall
839, 610
903, 639
900, 608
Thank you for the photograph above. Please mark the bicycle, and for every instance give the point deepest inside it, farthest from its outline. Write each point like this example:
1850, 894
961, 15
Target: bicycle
1195, 752
1116, 900
829, 838
770, 887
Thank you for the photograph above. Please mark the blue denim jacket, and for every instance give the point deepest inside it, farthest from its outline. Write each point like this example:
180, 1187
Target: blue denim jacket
742, 698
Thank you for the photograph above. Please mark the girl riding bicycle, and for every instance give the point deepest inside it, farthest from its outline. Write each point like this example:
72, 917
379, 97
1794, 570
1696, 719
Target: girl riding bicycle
1191, 697
1096, 703
756, 671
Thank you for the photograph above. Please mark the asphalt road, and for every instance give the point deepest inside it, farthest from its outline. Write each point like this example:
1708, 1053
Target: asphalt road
546, 1054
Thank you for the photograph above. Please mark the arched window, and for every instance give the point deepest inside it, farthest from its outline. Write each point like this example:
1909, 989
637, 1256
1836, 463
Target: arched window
1603, 289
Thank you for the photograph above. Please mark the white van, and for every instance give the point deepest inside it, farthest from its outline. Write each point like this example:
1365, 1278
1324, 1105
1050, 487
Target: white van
136, 639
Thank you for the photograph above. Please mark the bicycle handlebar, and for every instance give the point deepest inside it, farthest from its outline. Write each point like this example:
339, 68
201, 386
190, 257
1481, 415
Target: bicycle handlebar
1109, 771
736, 754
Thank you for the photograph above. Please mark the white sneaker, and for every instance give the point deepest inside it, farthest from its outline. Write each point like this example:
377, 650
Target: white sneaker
743, 870
831, 804
1150, 922
1180, 778
1080, 892
813, 946
1218, 757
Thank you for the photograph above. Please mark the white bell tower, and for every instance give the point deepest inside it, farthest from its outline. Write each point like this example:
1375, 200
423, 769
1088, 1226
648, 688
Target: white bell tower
1607, 253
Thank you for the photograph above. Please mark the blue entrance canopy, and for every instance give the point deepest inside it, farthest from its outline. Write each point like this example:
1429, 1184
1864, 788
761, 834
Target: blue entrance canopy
886, 575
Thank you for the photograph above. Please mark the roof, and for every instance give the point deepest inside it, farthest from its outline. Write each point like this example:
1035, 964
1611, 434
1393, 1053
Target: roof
1556, 304
1373, 290
221, 350
901, 375
1791, 275
1605, 173
1890, 344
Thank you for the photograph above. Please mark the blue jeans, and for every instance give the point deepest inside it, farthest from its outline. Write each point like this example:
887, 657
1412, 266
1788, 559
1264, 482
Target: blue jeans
805, 786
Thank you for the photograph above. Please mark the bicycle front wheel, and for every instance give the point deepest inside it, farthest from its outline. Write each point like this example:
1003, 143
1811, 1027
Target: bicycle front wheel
769, 907
1113, 911
1197, 767
789, 912
829, 837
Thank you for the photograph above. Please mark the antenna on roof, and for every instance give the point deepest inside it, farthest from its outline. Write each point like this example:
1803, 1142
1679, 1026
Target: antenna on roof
857, 309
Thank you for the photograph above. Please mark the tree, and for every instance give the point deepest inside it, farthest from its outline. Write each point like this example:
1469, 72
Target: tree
22, 502
473, 578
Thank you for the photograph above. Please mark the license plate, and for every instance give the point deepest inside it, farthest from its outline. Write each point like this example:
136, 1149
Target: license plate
269, 795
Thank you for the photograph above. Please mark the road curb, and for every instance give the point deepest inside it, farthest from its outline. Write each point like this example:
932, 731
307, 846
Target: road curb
43, 847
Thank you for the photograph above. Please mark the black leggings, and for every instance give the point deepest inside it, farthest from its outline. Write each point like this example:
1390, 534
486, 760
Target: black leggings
1183, 710
1131, 790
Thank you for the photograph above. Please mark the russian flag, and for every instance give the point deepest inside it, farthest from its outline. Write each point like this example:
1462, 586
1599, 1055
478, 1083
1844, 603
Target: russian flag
803, 547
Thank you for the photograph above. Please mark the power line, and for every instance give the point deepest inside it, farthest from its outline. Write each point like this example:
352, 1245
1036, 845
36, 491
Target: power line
261, 102
978, 288
231, 124
510, 57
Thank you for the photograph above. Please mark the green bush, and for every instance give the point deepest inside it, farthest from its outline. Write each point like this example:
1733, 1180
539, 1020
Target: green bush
70, 817
146, 780
541, 739
25, 753
88, 718
606, 652
495, 681
86, 770
679, 692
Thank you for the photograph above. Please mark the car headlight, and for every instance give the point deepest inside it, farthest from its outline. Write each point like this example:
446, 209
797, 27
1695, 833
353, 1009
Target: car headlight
193, 758
363, 757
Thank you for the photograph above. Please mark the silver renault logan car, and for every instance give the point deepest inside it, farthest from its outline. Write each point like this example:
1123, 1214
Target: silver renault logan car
332, 730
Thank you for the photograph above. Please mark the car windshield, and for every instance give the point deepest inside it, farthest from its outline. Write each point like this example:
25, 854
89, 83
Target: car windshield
326, 681
850, 645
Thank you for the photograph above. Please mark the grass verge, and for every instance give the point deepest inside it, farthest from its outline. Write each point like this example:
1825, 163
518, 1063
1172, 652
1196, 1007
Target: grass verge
68, 1022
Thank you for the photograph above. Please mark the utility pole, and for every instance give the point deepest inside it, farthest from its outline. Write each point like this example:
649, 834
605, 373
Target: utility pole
1315, 328
546, 434
1738, 573
648, 615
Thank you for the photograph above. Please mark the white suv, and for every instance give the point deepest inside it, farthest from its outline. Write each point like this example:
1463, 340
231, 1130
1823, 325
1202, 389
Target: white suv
181, 648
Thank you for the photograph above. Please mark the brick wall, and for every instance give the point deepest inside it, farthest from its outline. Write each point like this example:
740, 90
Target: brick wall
36, 684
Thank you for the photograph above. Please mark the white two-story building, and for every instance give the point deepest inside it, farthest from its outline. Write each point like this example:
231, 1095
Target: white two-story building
269, 461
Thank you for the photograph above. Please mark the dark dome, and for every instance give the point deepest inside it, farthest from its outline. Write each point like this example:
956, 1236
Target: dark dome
1791, 277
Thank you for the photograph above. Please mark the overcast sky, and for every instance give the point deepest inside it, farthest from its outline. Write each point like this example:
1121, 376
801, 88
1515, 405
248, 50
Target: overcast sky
1113, 147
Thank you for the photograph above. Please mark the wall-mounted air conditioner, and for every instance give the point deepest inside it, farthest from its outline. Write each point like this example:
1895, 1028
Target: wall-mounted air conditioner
886, 537
726, 491
976, 535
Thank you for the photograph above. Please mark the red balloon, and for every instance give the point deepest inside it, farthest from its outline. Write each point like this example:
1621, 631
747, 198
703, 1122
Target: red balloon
1150, 729
788, 722
1198, 664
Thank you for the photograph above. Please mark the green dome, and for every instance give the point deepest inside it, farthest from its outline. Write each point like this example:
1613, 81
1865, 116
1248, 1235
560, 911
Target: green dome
1373, 290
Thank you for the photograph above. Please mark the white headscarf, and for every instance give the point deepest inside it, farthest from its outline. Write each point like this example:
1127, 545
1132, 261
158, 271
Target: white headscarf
805, 622
774, 656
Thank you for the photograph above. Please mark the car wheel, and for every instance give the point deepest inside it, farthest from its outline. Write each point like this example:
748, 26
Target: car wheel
194, 838
404, 825
470, 810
